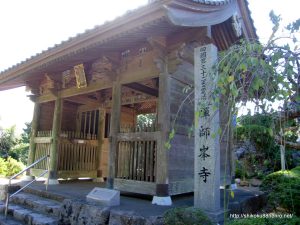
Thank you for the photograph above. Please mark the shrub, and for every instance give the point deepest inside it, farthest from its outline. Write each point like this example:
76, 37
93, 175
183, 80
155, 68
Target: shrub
186, 216
3, 167
10, 167
283, 189
266, 221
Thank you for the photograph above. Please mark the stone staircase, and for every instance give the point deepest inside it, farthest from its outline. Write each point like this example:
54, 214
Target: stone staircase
29, 209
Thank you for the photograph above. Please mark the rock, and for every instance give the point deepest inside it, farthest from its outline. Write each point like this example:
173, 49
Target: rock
244, 183
3, 190
296, 158
125, 218
255, 182
79, 213
154, 220
244, 148
93, 215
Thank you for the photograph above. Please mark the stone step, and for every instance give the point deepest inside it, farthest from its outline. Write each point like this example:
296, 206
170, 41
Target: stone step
44, 194
38, 204
27, 216
9, 221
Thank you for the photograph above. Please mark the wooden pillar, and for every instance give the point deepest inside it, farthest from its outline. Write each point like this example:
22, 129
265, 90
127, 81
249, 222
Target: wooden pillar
114, 130
56, 127
34, 128
164, 124
100, 144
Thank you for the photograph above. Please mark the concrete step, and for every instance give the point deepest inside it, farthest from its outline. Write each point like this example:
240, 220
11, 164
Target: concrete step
38, 204
28, 216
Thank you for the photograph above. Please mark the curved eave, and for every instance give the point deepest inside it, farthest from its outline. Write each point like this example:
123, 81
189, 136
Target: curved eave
250, 31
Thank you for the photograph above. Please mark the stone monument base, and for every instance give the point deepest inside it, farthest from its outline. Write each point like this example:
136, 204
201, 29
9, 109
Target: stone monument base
164, 201
98, 180
216, 216
52, 182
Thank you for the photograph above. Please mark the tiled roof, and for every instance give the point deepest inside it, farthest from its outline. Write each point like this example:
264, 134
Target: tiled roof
98, 28
78, 35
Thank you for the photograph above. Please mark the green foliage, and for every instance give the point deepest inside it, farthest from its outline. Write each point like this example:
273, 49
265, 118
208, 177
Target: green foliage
266, 221
11, 146
259, 130
186, 216
7, 141
3, 167
262, 136
25, 136
283, 188
20, 152
251, 71
266, 120
10, 167
146, 119
21, 149
240, 170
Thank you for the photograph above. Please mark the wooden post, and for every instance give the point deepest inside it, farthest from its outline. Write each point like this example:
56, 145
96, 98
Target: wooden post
162, 187
100, 143
34, 128
164, 124
56, 127
114, 130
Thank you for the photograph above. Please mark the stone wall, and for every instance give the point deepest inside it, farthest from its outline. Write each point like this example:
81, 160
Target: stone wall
80, 213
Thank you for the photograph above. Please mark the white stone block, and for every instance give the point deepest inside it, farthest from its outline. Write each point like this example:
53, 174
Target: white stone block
104, 196
164, 201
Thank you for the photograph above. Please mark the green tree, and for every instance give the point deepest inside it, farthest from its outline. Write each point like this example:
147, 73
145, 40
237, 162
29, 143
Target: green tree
7, 141
20, 150
264, 74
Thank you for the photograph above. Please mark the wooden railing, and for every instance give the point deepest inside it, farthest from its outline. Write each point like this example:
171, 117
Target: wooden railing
78, 135
77, 156
44, 133
136, 156
77, 151
42, 149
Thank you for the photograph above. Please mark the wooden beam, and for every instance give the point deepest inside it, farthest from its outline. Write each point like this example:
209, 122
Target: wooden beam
139, 136
76, 91
84, 100
143, 88
141, 187
42, 140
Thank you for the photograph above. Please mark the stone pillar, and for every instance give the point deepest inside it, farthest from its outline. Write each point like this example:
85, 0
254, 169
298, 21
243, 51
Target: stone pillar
56, 128
114, 130
34, 129
207, 143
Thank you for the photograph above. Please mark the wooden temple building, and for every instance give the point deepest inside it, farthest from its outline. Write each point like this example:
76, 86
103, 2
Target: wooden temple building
90, 90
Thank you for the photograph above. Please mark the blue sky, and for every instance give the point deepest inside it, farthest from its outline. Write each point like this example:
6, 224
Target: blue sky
28, 27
